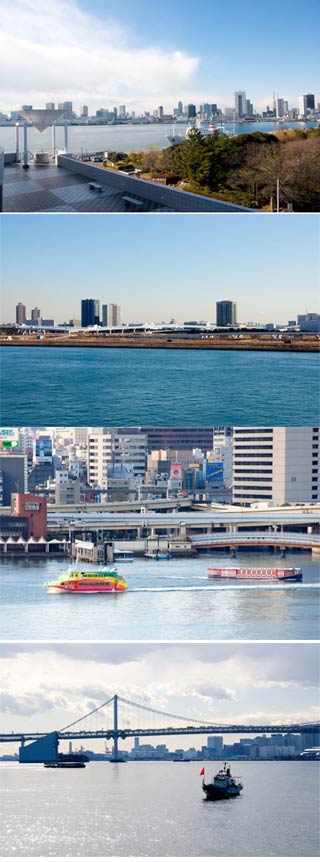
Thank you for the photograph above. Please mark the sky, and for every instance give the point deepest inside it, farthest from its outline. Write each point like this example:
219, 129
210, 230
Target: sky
144, 53
158, 268
47, 686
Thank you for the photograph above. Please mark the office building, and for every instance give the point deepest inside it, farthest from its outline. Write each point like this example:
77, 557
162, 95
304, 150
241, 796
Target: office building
21, 313
122, 112
67, 110
84, 111
178, 438
309, 322
279, 465
14, 476
111, 315
50, 106
43, 449
240, 103
130, 451
226, 313
191, 112
280, 108
99, 456
67, 490
90, 312
307, 103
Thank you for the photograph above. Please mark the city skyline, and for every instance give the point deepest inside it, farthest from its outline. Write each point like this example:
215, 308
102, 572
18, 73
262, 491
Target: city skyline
202, 54
53, 684
205, 260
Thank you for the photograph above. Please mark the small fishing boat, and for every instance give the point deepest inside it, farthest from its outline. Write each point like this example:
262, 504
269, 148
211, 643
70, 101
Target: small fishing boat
223, 785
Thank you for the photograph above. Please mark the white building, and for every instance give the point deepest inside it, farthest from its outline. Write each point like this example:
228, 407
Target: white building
279, 465
111, 314
99, 456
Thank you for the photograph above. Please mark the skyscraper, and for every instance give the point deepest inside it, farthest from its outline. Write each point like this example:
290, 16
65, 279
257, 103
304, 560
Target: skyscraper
90, 312
20, 313
226, 313
240, 103
191, 111
36, 316
111, 315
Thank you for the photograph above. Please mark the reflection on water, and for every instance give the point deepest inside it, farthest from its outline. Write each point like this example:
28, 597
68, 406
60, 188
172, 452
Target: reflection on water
165, 600
148, 809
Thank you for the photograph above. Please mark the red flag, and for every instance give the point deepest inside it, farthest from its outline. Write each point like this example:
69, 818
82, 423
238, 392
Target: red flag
202, 771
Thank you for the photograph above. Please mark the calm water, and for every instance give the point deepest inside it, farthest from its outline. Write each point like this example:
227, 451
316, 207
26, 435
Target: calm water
146, 809
62, 386
125, 138
166, 600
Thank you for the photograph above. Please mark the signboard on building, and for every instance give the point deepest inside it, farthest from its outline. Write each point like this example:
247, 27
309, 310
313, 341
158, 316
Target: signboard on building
176, 472
43, 449
214, 471
9, 438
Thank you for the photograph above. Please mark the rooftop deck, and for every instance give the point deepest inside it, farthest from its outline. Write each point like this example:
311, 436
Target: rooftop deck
55, 189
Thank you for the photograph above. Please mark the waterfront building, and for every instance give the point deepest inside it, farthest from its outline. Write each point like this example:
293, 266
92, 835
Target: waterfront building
307, 103
122, 112
111, 315
34, 509
21, 315
84, 111
226, 313
309, 322
276, 464
50, 106
90, 312
280, 108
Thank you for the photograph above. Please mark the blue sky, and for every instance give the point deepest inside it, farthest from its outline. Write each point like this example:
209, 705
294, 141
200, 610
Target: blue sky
47, 686
143, 53
158, 267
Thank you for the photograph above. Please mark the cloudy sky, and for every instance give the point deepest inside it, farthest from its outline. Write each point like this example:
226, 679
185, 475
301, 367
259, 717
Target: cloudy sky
45, 687
143, 53
172, 267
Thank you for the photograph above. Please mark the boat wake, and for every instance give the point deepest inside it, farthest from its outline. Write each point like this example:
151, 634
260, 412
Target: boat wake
224, 588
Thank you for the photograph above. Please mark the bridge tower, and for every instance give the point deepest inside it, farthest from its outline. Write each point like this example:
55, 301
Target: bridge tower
116, 758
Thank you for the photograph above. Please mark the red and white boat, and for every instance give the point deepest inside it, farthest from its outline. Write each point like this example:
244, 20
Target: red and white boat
255, 573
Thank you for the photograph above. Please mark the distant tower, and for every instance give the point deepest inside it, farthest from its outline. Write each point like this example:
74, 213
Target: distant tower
21, 313
226, 313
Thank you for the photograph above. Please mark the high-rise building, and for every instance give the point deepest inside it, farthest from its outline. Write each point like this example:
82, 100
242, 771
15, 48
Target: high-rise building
309, 322
21, 313
67, 110
191, 112
307, 103
14, 476
180, 108
280, 108
90, 312
50, 106
122, 112
240, 103
84, 111
99, 456
226, 313
276, 464
111, 315
36, 316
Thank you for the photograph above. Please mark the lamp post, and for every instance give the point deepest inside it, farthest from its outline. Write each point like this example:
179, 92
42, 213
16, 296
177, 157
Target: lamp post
25, 147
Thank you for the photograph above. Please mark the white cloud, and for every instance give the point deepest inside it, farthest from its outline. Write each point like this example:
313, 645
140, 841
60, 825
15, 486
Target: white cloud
57, 52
